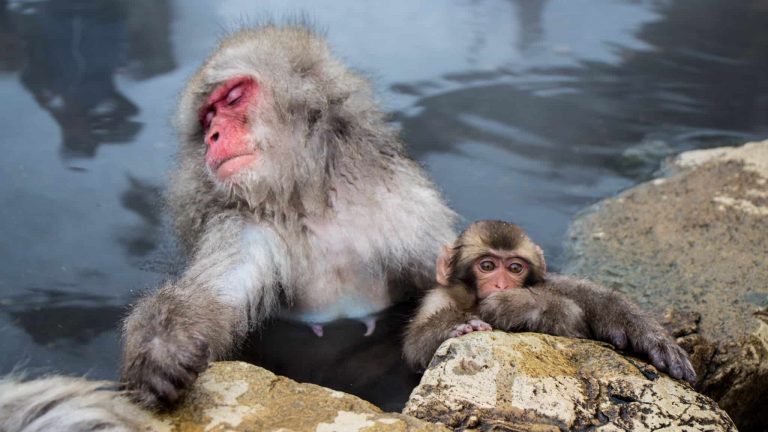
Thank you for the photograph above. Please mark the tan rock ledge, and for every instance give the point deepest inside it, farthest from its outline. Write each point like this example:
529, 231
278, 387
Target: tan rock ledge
535, 382
695, 244
236, 396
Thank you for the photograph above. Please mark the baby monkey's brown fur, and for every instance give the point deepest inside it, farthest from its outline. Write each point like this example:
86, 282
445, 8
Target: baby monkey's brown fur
541, 302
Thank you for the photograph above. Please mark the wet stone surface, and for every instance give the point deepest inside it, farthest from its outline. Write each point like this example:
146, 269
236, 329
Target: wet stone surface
694, 244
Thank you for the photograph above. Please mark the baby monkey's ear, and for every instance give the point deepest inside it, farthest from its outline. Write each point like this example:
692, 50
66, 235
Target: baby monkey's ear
443, 265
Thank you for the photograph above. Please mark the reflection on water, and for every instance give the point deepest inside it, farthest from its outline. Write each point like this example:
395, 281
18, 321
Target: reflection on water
530, 17
563, 137
528, 110
72, 50
145, 200
64, 327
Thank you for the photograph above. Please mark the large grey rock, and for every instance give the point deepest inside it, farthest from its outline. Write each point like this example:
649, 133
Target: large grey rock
694, 244
535, 382
236, 396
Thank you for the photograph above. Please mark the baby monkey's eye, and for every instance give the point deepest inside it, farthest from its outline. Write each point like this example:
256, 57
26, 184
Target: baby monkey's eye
487, 265
516, 267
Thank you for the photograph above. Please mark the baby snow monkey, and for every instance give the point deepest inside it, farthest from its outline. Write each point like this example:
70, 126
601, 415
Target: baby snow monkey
494, 277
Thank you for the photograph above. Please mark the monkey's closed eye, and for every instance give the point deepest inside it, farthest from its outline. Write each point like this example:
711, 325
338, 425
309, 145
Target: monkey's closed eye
234, 101
235, 95
207, 119
487, 265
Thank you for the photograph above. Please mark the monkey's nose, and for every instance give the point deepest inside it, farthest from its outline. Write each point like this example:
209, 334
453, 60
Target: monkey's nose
212, 138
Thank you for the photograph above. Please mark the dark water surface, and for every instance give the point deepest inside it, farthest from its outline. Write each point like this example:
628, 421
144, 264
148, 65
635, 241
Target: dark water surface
525, 110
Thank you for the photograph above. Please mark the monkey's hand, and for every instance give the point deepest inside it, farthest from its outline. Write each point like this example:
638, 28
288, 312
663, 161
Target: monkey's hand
613, 318
158, 369
470, 326
623, 324
535, 310
654, 342
164, 351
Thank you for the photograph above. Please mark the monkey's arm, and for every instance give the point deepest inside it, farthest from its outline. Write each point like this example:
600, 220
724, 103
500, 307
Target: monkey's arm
613, 318
172, 334
439, 318
533, 309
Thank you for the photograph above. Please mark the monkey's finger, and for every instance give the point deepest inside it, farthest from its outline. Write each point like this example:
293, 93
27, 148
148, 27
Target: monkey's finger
479, 325
162, 387
195, 360
454, 333
688, 373
166, 392
154, 392
144, 397
657, 358
618, 338
680, 365
170, 387
669, 357
675, 369
185, 378
460, 330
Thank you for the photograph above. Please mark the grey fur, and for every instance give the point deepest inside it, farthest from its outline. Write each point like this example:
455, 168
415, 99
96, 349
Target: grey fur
335, 209
535, 308
66, 404
422, 339
613, 318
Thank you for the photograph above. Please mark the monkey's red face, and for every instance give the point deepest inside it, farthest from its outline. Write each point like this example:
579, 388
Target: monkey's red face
498, 272
226, 125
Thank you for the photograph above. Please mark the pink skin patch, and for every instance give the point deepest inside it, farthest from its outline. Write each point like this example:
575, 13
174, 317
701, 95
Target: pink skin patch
494, 273
469, 327
224, 118
370, 325
317, 329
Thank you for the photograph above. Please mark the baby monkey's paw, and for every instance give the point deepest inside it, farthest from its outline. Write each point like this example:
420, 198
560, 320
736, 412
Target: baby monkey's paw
667, 356
469, 327
663, 352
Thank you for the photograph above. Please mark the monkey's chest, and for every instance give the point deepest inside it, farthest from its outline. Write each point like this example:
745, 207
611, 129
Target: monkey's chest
340, 276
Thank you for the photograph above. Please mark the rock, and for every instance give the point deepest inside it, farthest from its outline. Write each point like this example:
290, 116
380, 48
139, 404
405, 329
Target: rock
536, 382
696, 240
237, 396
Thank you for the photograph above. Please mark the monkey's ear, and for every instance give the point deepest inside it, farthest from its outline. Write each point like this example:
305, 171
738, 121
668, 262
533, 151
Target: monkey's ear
443, 265
540, 254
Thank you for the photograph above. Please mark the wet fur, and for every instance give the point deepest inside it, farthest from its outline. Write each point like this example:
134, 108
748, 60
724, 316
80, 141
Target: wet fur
535, 308
66, 404
333, 216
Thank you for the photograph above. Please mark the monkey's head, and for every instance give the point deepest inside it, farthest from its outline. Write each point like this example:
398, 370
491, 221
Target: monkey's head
270, 116
491, 256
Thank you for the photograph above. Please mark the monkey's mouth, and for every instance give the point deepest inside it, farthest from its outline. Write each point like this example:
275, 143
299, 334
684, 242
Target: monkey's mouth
233, 164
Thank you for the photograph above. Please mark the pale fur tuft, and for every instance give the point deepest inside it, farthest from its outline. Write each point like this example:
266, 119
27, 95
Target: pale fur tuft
66, 404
